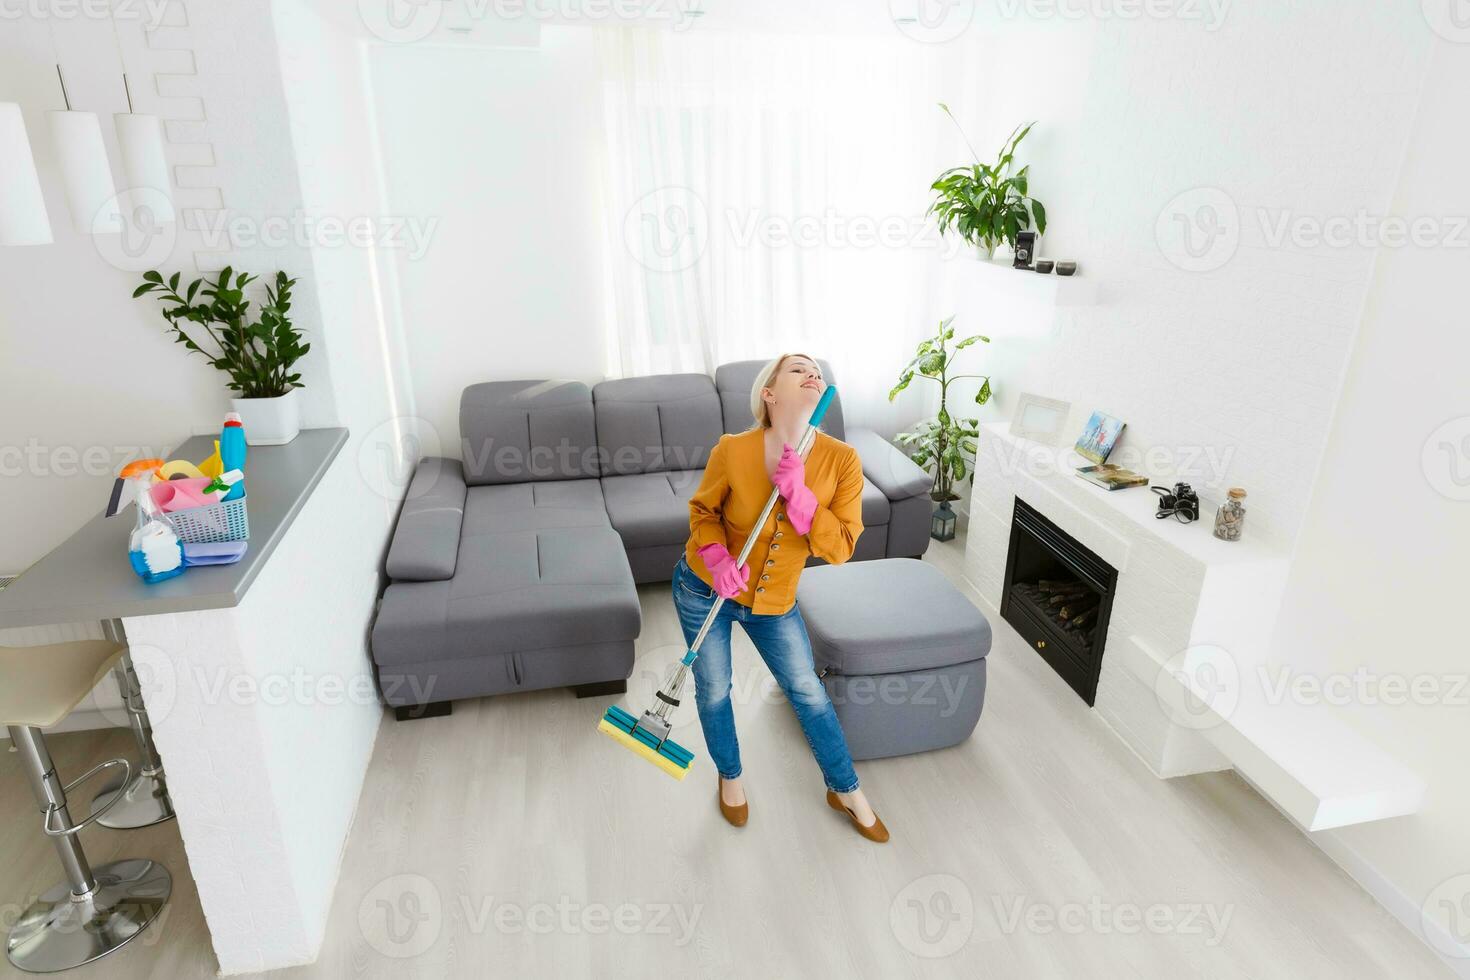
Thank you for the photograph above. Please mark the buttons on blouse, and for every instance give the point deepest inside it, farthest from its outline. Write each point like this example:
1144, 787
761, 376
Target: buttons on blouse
779, 533
764, 577
780, 516
775, 547
761, 589
770, 562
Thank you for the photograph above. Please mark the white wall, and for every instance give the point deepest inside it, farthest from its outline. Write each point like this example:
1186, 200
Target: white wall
89, 379
1379, 577
498, 146
1305, 109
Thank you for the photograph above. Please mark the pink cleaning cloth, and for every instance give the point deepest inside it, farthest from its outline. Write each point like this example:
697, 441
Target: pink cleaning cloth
172, 495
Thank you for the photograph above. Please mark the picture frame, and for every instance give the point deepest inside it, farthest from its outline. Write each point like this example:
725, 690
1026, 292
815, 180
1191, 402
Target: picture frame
1099, 437
1039, 419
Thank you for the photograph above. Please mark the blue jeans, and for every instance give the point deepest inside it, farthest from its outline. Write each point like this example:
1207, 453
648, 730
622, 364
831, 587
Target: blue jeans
783, 644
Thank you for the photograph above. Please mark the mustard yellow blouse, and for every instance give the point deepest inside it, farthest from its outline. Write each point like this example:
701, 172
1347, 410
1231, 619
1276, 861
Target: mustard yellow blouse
735, 488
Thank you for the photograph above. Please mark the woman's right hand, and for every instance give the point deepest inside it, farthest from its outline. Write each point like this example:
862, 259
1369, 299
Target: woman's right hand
730, 580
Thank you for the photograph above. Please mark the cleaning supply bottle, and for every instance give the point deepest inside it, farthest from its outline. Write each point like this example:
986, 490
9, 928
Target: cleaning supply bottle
232, 452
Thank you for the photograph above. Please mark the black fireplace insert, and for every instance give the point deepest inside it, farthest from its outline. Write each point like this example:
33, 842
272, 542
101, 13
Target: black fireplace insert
1058, 595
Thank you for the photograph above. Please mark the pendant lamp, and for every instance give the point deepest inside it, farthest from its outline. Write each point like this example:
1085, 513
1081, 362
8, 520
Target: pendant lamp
23, 218
90, 193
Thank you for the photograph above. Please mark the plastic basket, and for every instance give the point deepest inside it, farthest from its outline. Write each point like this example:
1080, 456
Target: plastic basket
226, 521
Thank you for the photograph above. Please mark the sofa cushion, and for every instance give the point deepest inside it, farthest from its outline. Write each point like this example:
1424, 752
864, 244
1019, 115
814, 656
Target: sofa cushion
889, 615
875, 505
517, 591
425, 546
657, 423
884, 464
733, 382
651, 508
516, 431
530, 506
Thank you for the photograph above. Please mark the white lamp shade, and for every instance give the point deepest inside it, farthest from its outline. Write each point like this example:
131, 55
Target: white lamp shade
140, 141
23, 218
90, 192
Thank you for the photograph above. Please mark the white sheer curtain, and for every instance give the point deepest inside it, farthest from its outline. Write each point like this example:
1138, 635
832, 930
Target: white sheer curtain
766, 193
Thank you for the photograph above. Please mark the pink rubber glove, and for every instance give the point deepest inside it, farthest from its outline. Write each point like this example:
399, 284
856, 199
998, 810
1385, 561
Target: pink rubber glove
790, 479
730, 581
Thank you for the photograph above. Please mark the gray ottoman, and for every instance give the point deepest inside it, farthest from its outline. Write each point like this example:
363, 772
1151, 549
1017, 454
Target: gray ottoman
901, 651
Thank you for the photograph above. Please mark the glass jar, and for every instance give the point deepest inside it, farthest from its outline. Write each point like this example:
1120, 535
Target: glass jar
1230, 518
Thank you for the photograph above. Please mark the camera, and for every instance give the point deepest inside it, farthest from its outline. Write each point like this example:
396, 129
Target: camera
1181, 503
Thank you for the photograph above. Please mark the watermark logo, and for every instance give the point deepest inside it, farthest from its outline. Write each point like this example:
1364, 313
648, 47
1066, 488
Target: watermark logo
400, 21
129, 231
933, 916
1102, 918
667, 230
1446, 459
402, 916
1450, 19
1445, 917
932, 21
150, 12
1199, 230
1209, 13
391, 452
1199, 687
153, 678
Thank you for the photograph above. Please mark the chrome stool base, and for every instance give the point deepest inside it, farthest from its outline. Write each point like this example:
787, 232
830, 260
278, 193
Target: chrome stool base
145, 802
61, 931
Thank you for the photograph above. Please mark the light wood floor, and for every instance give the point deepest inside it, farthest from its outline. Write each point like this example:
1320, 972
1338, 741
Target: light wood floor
511, 840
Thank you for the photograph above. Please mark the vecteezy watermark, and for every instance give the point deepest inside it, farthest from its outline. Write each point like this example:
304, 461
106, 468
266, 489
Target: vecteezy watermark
671, 228
1198, 687
568, 917
1204, 919
407, 21
135, 231
1204, 465
1209, 13
1450, 19
1199, 230
35, 458
667, 229
392, 453
1445, 917
932, 21
226, 229
150, 12
1282, 683
1446, 459
933, 916
402, 916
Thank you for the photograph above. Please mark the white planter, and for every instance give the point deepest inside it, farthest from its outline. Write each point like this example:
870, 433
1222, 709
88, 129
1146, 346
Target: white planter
269, 421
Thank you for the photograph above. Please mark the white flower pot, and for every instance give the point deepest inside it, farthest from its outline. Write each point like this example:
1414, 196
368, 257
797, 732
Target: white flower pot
269, 421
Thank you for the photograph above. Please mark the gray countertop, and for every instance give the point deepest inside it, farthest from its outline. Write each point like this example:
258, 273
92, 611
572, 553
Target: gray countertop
87, 577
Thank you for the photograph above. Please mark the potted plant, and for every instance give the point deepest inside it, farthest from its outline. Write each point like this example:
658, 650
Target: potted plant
257, 356
944, 445
986, 203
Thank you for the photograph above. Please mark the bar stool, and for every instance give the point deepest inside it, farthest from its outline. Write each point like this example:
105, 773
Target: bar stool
95, 911
144, 796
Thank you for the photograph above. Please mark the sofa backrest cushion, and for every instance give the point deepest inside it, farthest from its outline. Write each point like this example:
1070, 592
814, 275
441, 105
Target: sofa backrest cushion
656, 423
733, 382
519, 431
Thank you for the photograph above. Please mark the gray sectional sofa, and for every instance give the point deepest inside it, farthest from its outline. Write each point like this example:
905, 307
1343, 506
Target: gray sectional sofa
514, 568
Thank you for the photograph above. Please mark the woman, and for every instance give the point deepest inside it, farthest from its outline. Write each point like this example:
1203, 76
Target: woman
819, 513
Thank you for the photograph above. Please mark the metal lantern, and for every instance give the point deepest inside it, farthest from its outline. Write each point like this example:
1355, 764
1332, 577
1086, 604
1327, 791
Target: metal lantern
941, 526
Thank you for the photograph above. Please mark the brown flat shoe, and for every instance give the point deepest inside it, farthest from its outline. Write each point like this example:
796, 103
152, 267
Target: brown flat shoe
735, 816
874, 831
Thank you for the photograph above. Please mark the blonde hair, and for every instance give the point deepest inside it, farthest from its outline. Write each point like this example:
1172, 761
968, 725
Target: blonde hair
763, 380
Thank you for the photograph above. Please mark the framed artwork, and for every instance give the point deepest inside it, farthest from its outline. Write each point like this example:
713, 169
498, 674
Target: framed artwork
1039, 419
1100, 436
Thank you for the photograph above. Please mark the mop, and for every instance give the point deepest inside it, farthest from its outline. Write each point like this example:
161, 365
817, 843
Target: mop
649, 735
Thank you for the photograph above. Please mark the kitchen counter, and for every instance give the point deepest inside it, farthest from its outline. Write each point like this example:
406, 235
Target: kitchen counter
87, 577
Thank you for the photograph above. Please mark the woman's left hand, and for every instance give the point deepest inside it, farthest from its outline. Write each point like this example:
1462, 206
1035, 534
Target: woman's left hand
790, 480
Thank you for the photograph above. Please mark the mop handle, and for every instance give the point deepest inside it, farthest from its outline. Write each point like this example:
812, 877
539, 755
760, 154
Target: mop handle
807, 438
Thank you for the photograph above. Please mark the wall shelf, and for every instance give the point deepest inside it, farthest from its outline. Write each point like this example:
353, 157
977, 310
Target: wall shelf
1048, 290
